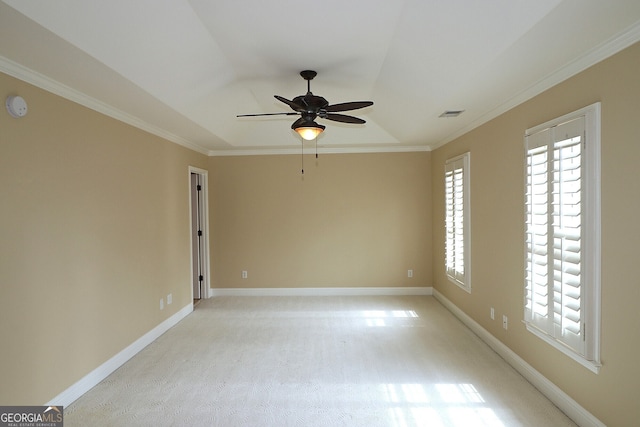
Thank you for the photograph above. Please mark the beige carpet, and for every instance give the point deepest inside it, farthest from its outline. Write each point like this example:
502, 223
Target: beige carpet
316, 361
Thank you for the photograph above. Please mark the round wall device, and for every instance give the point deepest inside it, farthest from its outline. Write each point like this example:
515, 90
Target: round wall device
16, 106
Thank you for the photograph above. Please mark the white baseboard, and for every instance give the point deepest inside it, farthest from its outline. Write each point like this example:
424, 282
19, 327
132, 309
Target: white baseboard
279, 292
562, 400
569, 406
101, 372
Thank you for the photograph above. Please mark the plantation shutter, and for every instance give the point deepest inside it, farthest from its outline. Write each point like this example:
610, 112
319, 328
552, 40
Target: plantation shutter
537, 304
554, 229
454, 219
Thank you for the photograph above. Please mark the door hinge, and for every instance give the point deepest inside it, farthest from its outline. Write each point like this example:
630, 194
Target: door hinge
200, 278
199, 187
199, 232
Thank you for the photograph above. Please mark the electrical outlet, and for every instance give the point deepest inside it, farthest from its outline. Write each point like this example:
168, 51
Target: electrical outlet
504, 321
245, 274
409, 273
493, 314
161, 303
169, 299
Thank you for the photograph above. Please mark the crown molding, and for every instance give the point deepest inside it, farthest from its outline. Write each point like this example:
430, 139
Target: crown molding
41, 81
321, 150
599, 53
592, 57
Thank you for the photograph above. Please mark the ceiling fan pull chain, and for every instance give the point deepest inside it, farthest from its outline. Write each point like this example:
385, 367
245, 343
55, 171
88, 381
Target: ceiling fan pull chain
302, 154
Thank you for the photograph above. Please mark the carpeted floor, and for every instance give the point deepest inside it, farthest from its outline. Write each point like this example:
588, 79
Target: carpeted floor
316, 361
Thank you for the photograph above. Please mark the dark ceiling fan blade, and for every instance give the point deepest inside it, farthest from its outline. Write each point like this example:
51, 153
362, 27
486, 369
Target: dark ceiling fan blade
343, 118
291, 104
267, 114
346, 106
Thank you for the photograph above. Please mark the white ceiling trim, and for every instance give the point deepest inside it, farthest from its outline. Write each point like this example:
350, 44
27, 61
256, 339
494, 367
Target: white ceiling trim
611, 47
310, 149
599, 53
41, 81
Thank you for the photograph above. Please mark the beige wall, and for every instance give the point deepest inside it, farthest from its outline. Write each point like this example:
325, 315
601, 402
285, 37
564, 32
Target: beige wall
497, 173
94, 230
351, 220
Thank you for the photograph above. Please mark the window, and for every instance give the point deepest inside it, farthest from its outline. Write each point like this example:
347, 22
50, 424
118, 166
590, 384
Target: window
457, 220
562, 278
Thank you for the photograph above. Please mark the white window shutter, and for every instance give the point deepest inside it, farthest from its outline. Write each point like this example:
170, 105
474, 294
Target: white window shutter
457, 220
567, 230
562, 237
553, 300
537, 293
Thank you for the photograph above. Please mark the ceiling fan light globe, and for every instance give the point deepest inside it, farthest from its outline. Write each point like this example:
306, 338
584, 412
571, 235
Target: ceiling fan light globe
309, 133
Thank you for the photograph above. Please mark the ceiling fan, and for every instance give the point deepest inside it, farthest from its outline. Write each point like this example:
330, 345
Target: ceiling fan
311, 106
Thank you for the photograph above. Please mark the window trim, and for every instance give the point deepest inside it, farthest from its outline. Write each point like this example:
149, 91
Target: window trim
592, 235
465, 158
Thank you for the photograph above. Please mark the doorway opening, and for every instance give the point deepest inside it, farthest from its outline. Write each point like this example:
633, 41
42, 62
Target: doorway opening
199, 208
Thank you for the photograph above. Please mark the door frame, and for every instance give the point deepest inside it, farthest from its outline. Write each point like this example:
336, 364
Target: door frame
204, 212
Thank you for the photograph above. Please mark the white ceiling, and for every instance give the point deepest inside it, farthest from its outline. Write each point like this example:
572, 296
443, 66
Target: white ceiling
183, 69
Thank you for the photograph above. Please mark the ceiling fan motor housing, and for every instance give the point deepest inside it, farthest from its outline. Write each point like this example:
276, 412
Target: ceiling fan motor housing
310, 103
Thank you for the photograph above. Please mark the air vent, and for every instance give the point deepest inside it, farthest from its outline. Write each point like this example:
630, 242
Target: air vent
452, 113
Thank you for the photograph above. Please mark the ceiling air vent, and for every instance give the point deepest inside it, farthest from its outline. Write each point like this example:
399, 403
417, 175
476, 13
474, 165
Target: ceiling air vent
452, 113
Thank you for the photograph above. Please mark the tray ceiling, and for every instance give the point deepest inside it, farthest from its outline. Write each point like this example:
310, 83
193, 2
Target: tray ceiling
183, 69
